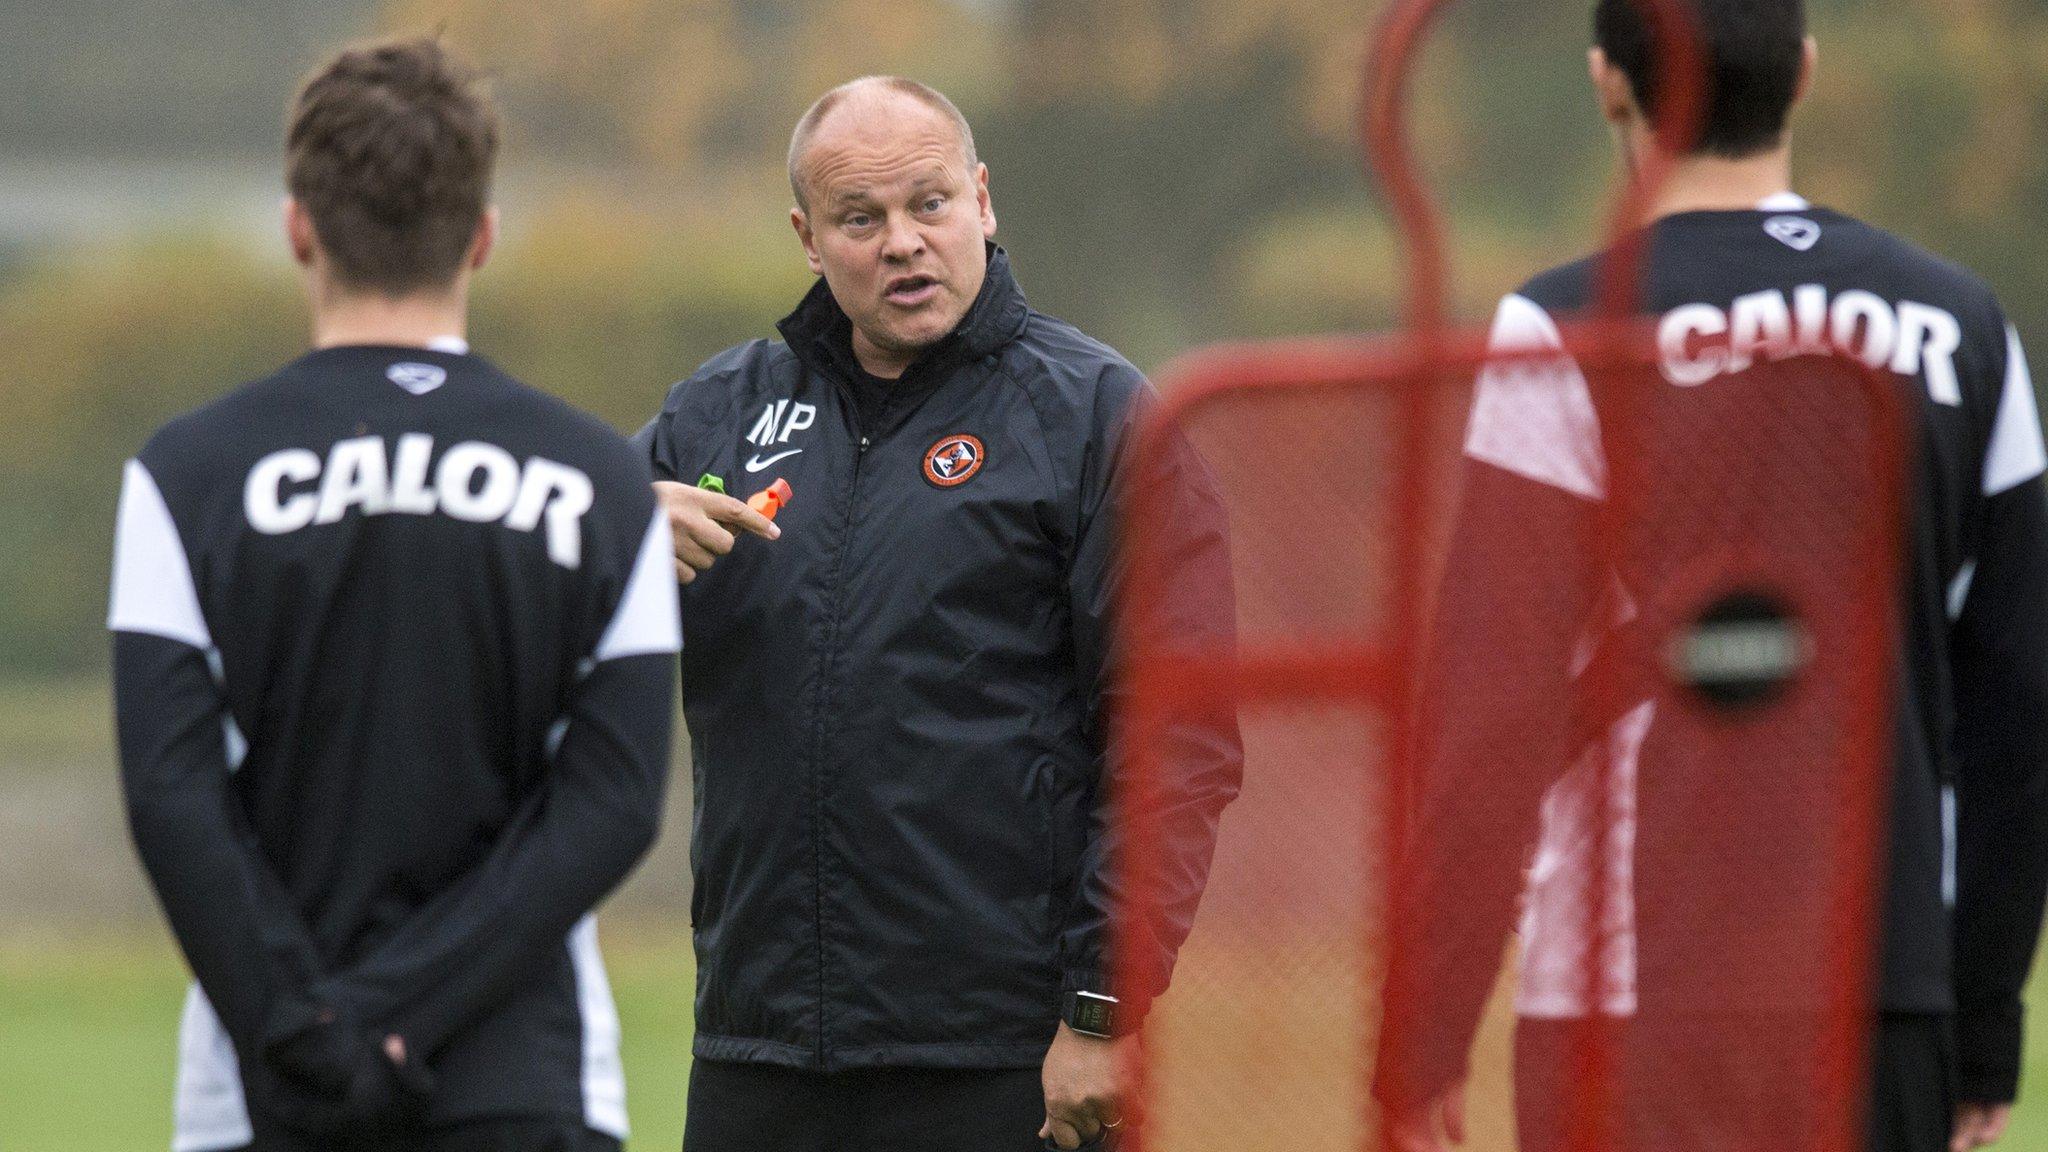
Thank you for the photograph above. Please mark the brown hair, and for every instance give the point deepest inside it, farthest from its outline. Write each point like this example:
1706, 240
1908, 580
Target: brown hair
807, 125
389, 150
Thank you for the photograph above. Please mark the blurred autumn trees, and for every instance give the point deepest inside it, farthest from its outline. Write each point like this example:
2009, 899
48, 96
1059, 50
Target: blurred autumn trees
1166, 172
1151, 136
1197, 156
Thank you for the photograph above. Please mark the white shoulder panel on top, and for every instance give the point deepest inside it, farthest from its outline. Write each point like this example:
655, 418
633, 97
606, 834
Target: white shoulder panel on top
1534, 416
153, 590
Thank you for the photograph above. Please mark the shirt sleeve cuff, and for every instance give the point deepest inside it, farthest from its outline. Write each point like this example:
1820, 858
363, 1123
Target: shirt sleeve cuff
1988, 1044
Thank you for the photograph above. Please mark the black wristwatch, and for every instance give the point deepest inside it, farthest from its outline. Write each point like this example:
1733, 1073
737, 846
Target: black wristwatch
1090, 1014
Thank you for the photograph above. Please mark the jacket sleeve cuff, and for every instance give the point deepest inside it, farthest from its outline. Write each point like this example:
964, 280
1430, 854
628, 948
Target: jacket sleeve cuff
1988, 1045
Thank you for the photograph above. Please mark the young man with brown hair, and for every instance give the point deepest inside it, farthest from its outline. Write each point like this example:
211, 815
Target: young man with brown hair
393, 670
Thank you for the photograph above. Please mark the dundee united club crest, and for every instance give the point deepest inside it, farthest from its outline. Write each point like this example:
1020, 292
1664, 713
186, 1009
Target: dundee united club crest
954, 460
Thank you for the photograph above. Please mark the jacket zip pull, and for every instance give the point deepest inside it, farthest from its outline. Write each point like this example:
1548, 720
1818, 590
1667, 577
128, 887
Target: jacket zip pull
864, 445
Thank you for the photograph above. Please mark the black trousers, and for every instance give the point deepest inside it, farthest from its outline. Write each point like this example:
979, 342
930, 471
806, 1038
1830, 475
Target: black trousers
762, 1108
511, 1135
1683, 1089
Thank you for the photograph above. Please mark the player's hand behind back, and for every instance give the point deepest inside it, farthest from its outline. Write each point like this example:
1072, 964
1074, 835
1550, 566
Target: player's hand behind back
706, 524
335, 1078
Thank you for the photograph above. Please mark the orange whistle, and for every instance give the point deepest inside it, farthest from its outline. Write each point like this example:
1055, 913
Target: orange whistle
768, 501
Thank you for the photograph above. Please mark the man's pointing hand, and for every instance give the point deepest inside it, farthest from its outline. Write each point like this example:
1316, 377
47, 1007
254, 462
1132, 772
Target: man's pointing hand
705, 524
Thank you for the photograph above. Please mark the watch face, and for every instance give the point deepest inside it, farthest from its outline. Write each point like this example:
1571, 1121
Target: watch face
1093, 1015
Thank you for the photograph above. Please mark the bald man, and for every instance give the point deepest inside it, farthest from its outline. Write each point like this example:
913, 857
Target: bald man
897, 693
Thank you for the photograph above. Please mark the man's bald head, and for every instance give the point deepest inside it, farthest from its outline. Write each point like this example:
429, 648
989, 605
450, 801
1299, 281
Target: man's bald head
868, 90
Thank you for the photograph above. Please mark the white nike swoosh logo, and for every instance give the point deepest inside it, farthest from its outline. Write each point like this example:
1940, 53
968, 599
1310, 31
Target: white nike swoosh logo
756, 464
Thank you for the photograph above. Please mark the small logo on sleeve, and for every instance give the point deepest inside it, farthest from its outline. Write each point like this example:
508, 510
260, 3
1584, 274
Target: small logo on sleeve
1794, 232
954, 460
418, 379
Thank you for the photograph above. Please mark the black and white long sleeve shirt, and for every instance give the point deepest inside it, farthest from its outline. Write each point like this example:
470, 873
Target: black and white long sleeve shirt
1740, 300
394, 645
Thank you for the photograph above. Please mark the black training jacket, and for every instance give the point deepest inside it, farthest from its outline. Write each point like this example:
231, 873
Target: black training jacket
393, 664
897, 709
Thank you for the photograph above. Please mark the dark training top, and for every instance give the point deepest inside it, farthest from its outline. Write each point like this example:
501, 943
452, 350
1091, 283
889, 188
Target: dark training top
1741, 300
897, 710
394, 667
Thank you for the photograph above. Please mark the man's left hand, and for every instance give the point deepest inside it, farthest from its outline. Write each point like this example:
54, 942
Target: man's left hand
1979, 1126
1084, 1078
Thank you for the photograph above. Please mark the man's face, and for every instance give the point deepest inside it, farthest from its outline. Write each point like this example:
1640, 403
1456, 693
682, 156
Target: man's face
896, 225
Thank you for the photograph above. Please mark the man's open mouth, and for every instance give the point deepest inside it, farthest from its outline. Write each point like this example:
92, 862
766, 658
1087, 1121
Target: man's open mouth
910, 291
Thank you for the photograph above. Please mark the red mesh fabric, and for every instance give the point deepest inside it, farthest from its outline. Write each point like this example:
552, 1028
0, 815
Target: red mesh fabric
1483, 720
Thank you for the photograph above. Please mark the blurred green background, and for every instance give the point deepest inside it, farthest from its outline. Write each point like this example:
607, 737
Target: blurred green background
1166, 172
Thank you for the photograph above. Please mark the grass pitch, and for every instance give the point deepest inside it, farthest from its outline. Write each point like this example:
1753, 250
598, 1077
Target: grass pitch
88, 1039
88, 1043
89, 1006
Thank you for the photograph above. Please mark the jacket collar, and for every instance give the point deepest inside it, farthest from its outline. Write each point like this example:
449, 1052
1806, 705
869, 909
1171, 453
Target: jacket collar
821, 334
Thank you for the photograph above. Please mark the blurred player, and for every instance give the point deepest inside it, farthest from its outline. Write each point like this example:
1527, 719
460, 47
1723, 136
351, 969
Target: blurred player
1744, 276
393, 667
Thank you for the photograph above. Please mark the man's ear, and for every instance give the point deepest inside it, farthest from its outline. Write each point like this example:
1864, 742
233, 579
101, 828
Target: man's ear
299, 234
1616, 96
802, 223
1809, 67
485, 240
987, 206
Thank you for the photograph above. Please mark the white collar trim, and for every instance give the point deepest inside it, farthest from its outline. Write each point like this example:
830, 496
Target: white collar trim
1784, 202
452, 345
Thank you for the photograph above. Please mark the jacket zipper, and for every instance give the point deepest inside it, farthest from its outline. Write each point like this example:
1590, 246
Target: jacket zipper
819, 759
